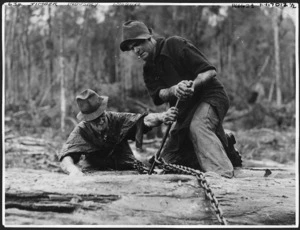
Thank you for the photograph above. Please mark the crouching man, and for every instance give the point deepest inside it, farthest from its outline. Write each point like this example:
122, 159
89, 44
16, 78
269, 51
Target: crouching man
100, 140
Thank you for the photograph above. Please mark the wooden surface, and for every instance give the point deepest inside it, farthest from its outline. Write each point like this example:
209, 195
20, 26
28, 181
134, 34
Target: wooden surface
36, 197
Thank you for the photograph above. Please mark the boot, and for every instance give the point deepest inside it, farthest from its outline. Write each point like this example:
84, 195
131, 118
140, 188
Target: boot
232, 153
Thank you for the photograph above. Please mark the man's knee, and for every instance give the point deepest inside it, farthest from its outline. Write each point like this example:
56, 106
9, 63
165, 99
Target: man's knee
203, 119
199, 125
194, 129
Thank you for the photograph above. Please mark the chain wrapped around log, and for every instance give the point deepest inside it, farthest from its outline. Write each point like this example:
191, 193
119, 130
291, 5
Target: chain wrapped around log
141, 168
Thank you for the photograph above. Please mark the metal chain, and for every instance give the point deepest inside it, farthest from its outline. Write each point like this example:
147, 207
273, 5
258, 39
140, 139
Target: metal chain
140, 167
201, 180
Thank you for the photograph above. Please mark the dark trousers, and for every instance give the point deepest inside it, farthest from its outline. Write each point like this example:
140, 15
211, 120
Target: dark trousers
121, 158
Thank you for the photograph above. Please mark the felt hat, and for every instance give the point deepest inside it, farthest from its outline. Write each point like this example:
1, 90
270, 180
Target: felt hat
90, 104
134, 30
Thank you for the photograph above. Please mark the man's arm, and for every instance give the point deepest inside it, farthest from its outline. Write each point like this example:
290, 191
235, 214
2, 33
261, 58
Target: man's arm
182, 90
202, 79
68, 166
167, 94
156, 119
185, 89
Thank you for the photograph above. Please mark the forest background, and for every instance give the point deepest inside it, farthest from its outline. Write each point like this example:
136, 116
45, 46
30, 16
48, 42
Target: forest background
53, 52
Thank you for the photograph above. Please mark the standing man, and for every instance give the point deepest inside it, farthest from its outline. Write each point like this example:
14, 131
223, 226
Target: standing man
175, 68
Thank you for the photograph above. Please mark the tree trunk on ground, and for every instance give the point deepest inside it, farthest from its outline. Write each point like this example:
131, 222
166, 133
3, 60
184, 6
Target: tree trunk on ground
125, 198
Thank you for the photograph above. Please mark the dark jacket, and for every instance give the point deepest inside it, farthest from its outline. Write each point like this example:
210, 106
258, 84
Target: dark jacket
177, 59
98, 147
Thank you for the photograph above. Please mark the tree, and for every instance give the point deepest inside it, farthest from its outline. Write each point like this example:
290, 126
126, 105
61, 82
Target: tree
61, 73
11, 21
276, 20
243, 44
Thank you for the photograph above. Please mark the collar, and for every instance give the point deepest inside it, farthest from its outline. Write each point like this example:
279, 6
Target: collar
159, 44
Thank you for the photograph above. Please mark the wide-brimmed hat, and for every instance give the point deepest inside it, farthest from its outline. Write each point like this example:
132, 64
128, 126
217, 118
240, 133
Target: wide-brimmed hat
134, 30
90, 104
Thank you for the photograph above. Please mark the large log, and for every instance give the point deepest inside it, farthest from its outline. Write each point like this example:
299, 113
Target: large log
252, 197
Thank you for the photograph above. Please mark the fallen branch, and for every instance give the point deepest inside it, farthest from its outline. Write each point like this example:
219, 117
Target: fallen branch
60, 208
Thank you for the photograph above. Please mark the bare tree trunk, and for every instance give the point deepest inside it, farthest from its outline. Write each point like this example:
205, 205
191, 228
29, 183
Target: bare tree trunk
16, 61
27, 54
230, 75
75, 72
23, 62
271, 91
230, 61
126, 81
10, 62
77, 57
62, 77
264, 66
275, 21
8, 51
219, 50
50, 49
48, 89
117, 68
291, 74
92, 70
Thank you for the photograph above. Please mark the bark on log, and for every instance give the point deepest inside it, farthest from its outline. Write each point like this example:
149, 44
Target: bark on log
252, 197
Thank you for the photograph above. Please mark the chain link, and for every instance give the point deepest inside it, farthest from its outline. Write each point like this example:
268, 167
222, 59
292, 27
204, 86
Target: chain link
140, 167
201, 180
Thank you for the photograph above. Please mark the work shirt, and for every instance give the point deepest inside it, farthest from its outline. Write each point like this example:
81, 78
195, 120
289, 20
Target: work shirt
177, 59
97, 147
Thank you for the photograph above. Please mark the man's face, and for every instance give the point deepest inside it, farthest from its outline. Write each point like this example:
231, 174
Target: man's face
100, 123
142, 48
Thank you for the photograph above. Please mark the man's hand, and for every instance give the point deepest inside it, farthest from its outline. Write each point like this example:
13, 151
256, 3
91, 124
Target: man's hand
183, 90
68, 166
170, 115
75, 172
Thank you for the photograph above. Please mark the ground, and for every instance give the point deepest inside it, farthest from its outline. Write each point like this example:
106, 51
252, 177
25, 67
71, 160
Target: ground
258, 147
255, 196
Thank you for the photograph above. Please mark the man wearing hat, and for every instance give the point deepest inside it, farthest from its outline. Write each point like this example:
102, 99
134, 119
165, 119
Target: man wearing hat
175, 69
100, 140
